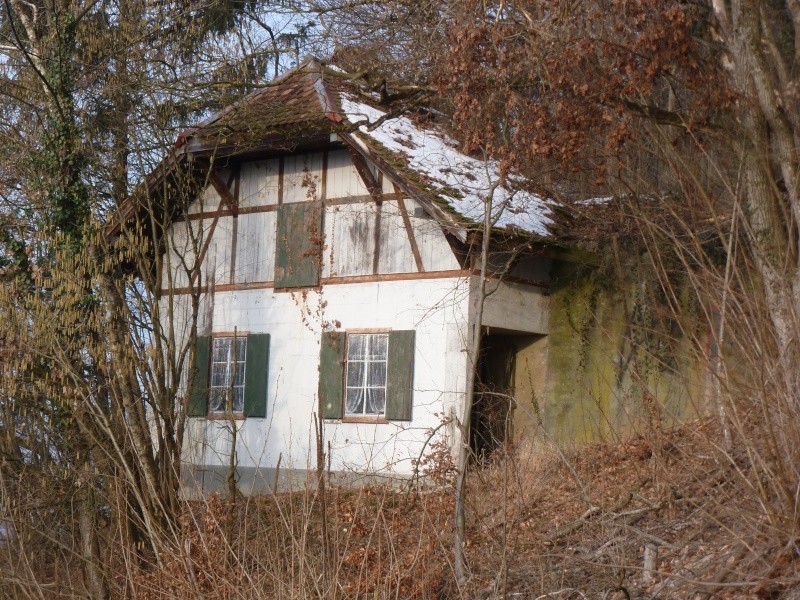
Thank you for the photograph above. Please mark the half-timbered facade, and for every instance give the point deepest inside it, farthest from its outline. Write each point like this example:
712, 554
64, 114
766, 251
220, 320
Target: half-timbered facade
334, 254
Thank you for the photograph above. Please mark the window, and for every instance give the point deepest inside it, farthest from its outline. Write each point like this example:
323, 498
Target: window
226, 392
231, 374
366, 375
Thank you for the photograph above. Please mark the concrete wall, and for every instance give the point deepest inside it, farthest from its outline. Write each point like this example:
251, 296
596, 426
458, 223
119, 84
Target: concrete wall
612, 370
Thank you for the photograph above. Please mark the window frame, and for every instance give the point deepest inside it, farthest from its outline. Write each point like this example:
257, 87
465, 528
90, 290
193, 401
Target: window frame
256, 377
364, 417
228, 411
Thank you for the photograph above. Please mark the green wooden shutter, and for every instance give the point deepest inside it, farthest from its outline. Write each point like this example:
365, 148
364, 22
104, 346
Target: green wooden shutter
400, 376
198, 403
256, 375
298, 245
331, 374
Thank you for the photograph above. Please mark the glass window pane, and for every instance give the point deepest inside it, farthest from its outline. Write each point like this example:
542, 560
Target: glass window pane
216, 401
376, 401
218, 375
221, 348
355, 401
355, 374
238, 399
241, 348
379, 347
239, 375
376, 375
356, 346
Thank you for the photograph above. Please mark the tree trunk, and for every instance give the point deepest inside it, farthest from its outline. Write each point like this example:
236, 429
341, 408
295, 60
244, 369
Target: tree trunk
770, 169
462, 460
94, 577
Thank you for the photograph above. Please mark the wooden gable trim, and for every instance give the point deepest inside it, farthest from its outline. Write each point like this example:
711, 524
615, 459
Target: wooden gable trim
366, 175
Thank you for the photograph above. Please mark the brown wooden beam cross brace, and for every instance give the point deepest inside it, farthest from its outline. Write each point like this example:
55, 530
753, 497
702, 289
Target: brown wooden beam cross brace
224, 192
366, 175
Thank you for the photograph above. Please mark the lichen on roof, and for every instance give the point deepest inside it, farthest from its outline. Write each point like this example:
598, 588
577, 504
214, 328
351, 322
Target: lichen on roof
287, 106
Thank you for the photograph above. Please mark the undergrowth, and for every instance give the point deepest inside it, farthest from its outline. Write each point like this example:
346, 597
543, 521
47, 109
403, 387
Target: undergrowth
541, 525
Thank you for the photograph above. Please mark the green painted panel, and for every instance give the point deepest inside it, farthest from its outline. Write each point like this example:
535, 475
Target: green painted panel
256, 373
331, 374
298, 245
198, 403
400, 376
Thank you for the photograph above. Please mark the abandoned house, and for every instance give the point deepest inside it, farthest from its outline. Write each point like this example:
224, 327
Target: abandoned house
335, 250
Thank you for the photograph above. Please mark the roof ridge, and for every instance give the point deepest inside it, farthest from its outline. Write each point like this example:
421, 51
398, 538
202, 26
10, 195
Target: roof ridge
310, 66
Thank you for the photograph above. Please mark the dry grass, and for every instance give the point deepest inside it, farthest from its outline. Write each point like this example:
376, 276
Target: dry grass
541, 525
679, 497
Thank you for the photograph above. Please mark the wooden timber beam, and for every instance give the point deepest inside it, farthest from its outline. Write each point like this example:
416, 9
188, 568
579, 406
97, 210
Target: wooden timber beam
366, 174
223, 189
409, 230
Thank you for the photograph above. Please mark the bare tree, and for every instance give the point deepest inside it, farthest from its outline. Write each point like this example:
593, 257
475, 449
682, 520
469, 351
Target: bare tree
94, 382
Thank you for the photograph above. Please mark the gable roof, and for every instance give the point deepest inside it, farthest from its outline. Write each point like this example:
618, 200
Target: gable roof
306, 106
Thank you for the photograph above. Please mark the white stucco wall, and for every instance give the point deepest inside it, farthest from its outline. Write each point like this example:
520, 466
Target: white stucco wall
436, 309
